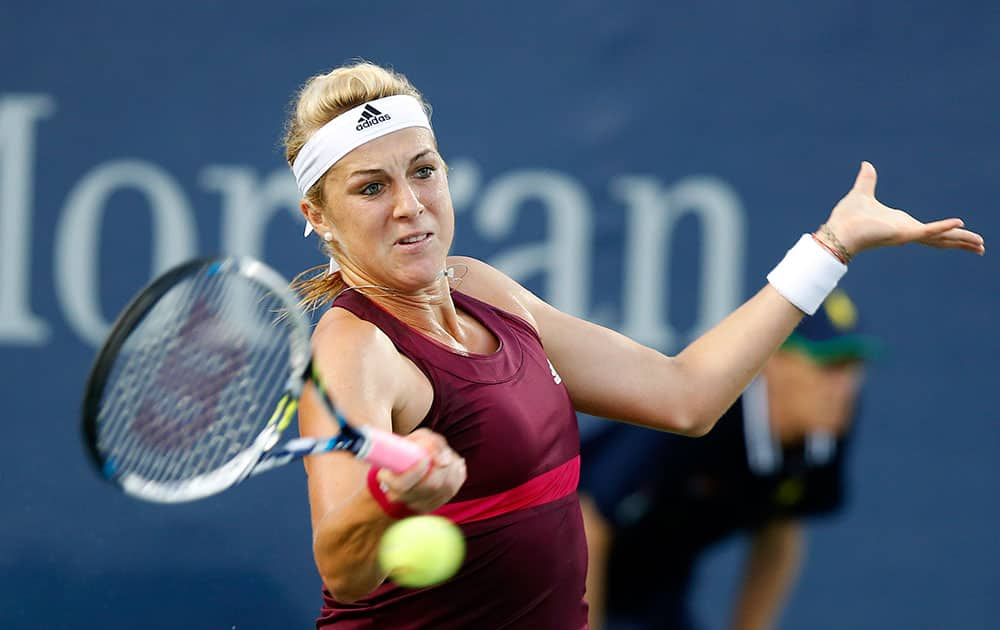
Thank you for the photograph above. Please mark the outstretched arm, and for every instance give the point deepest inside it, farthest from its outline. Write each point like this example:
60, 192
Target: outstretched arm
612, 376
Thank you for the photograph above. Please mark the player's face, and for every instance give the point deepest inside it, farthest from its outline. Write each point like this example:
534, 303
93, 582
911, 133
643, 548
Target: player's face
392, 216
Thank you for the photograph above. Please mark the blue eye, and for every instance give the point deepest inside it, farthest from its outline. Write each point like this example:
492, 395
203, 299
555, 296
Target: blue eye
425, 171
371, 189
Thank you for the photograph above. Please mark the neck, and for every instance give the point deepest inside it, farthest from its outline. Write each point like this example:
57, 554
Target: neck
429, 309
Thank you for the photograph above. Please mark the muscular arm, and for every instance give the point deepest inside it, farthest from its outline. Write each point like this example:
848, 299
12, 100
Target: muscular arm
372, 385
609, 375
612, 376
347, 525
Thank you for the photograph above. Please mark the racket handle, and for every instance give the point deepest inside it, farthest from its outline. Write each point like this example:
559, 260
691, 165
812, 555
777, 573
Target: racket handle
388, 450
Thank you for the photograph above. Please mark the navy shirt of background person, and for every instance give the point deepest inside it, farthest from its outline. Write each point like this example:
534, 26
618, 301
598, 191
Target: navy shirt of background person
777, 455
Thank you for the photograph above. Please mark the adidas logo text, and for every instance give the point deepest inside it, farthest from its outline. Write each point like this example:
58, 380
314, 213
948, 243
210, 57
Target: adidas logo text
371, 117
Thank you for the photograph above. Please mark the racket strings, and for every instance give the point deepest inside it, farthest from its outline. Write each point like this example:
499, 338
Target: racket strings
194, 379
139, 428
129, 377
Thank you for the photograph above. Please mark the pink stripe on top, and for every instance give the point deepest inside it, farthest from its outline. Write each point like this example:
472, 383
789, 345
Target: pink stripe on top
548, 486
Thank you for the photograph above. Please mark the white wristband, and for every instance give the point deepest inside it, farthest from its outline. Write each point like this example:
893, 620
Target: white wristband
806, 275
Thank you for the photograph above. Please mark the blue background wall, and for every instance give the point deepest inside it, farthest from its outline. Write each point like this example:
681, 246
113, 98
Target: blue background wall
132, 136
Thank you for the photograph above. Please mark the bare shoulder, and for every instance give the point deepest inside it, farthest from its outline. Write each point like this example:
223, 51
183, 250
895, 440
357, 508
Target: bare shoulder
371, 380
494, 287
341, 337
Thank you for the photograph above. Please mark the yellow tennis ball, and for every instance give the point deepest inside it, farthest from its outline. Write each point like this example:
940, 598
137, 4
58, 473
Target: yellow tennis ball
421, 550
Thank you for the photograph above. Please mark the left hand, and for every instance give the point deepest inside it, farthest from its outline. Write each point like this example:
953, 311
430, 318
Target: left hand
860, 222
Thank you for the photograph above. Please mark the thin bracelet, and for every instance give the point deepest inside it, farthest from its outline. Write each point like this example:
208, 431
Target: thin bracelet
845, 255
828, 248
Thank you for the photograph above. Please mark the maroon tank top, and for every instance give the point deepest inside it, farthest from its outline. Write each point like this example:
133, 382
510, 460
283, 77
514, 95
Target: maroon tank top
508, 414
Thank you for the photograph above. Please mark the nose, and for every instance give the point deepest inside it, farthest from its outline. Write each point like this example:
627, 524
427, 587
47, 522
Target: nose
408, 203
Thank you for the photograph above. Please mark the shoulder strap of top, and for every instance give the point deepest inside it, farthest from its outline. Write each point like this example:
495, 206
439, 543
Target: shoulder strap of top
428, 353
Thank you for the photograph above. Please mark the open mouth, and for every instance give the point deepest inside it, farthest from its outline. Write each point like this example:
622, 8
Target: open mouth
416, 238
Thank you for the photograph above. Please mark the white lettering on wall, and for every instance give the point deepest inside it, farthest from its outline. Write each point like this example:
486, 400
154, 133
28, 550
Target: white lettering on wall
652, 213
19, 114
249, 204
723, 245
645, 285
561, 259
77, 247
564, 256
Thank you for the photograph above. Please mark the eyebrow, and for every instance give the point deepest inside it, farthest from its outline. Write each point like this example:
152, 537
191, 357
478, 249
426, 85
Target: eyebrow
375, 171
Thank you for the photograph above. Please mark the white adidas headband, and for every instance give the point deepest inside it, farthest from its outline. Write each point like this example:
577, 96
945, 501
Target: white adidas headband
349, 131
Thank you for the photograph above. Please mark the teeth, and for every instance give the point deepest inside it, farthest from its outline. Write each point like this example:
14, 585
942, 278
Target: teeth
414, 239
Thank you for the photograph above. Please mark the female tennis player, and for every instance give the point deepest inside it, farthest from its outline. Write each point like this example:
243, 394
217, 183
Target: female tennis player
486, 376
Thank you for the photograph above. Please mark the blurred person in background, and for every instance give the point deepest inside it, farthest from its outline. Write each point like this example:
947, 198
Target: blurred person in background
654, 503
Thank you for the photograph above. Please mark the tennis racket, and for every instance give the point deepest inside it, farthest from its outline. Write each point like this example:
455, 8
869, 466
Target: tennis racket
198, 379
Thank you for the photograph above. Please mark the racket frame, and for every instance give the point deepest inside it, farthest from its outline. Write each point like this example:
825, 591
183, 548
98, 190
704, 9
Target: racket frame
382, 447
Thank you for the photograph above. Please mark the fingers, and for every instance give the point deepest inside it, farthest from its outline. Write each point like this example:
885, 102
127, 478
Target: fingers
866, 179
432, 444
957, 238
939, 227
943, 234
861, 222
440, 484
433, 481
404, 481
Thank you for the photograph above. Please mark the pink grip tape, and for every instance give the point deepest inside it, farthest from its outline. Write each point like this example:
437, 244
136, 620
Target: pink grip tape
388, 450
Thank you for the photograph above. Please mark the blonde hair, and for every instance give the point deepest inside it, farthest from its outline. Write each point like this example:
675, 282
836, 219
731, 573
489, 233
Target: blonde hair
321, 99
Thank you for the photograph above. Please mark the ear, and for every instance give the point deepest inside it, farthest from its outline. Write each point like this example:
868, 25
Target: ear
314, 217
